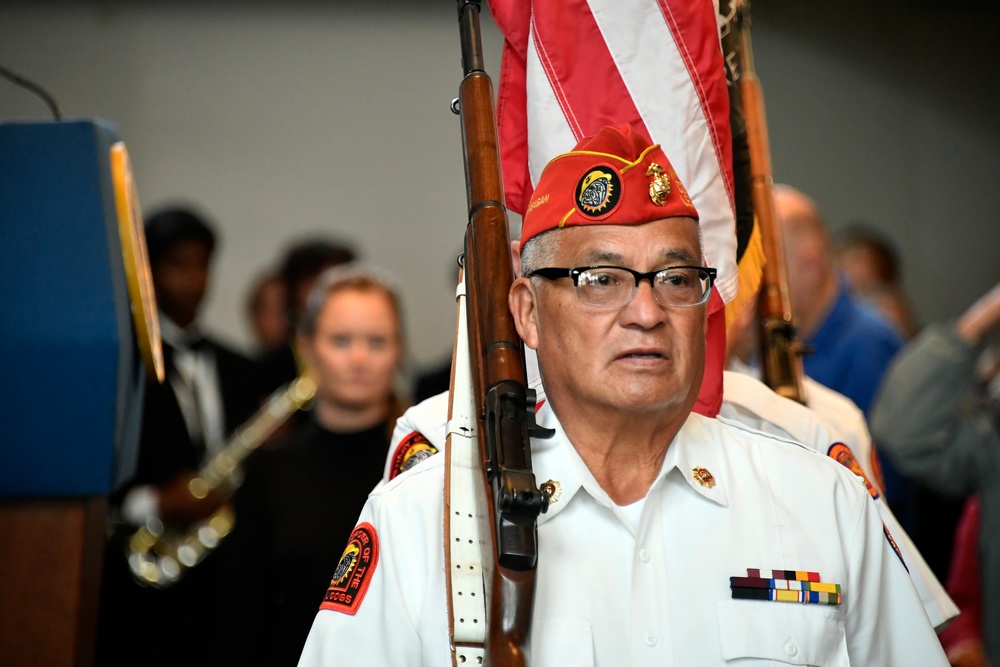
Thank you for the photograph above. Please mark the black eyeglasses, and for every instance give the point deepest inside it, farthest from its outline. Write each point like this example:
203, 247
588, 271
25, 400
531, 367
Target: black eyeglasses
614, 286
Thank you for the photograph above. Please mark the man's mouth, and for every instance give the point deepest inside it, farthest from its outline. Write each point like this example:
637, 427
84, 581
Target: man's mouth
643, 354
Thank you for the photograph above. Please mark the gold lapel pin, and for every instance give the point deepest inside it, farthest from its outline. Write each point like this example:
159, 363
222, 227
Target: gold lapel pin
551, 490
703, 477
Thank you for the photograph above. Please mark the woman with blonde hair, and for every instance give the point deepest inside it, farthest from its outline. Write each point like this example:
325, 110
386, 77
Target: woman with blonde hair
301, 497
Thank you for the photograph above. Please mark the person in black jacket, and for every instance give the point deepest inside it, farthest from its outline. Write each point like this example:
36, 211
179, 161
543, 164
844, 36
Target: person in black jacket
209, 390
300, 498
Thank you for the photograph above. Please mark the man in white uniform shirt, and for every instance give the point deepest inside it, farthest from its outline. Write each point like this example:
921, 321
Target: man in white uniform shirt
676, 539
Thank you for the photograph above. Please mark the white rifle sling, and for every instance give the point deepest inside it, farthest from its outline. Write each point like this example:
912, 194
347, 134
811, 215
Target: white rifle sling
465, 506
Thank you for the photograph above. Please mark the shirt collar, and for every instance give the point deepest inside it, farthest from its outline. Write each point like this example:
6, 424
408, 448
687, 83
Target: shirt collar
693, 449
694, 455
176, 337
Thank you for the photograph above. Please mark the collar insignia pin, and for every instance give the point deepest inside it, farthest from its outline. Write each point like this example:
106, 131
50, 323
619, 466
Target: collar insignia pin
551, 490
703, 477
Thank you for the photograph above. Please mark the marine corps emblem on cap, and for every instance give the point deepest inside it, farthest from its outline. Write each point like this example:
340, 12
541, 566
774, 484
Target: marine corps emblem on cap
599, 191
659, 187
703, 477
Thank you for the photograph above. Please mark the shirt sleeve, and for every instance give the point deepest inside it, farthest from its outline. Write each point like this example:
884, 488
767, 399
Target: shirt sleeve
886, 623
921, 419
380, 628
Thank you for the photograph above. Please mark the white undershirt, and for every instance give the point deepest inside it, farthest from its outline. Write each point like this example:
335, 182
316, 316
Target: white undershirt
633, 512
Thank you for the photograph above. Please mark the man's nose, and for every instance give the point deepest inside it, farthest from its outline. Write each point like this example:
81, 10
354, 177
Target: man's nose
643, 310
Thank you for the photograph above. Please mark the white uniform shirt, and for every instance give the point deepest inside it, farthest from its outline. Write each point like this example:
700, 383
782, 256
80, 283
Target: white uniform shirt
749, 402
838, 414
610, 593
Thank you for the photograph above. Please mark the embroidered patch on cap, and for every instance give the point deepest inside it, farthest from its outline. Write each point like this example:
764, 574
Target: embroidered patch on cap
413, 449
354, 572
599, 191
843, 455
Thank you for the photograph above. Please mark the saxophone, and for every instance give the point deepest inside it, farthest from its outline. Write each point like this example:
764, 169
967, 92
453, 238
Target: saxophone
159, 555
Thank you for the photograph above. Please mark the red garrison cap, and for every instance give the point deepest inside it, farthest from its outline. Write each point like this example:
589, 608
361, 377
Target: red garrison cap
616, 177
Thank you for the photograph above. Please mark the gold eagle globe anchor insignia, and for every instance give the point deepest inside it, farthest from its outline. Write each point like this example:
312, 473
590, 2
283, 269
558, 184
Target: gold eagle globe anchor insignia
659, 187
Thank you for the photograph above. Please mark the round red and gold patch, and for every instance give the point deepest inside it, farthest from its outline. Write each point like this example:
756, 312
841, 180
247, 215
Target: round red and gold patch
599, 191
354, 571
843, 455
411, 450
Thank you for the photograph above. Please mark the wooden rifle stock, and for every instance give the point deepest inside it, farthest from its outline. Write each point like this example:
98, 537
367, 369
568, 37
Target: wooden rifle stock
499, 377
780, 360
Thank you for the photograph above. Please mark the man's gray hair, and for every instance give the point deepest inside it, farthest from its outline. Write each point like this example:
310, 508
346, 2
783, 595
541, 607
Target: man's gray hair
539, 252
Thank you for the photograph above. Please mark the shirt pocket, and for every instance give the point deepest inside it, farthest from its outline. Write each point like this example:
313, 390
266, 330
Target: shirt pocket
561, 642
782, 632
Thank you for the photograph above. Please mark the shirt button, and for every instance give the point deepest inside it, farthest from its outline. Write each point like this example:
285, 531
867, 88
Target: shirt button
650, 639
791, 649
644, 555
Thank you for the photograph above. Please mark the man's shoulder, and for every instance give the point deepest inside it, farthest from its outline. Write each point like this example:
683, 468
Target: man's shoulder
424, 482
732, 432
843, 413
754, 452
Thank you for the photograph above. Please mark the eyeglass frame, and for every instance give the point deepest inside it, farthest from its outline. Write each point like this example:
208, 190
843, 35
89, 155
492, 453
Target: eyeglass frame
555, 273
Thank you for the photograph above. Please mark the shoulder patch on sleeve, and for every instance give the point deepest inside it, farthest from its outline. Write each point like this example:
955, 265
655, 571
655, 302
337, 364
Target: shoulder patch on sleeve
892, 543
411, 450
843, 455
354, 571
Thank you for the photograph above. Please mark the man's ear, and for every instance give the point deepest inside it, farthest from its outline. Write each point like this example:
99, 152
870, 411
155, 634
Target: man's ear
515, 257
521, 300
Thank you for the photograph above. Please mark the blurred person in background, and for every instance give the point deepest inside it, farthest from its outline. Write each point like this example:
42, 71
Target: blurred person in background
267, 312
300, 498
870, 264
300, 266
851, 344
932, 420
209, 391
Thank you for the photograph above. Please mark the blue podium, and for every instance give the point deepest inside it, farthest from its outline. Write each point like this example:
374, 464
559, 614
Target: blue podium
71, 377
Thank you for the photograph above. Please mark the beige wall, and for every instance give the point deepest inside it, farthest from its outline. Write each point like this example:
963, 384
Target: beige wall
280, 119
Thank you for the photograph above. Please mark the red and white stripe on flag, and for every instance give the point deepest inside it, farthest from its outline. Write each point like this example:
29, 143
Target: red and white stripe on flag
571, 67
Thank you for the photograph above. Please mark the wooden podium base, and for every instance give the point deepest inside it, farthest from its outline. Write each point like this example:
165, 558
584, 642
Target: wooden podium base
50, 571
